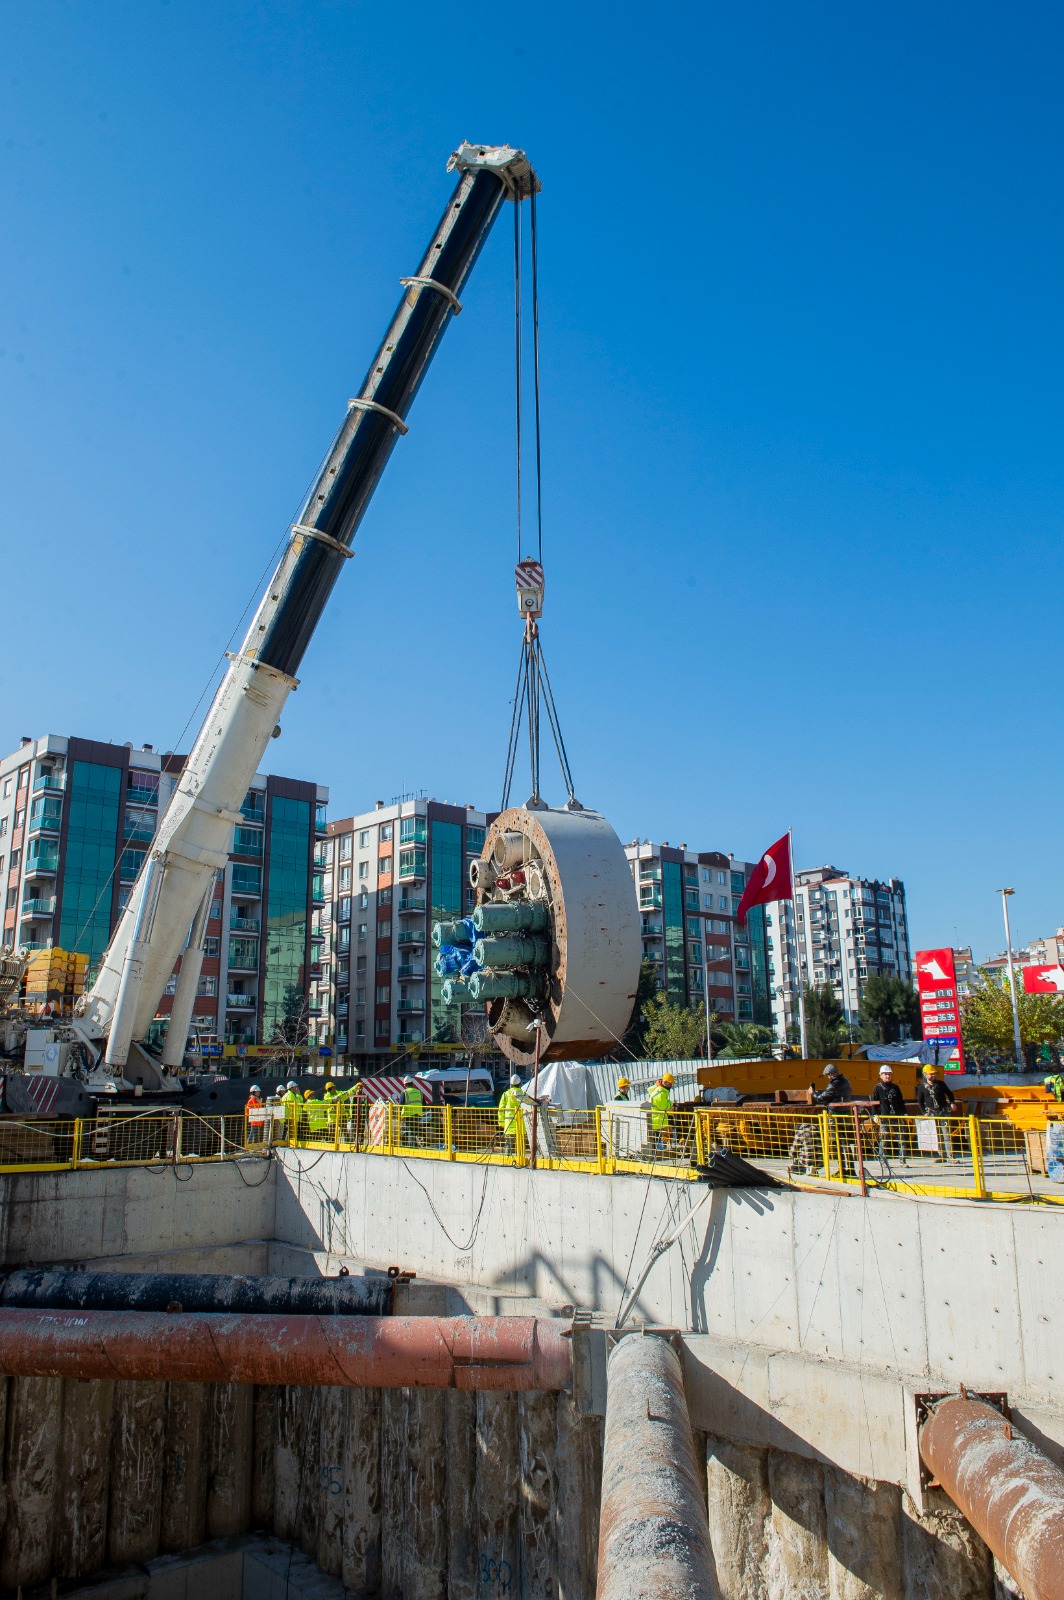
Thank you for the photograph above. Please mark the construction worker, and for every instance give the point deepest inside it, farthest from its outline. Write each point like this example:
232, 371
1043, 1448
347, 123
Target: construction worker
889, 1102
315, 1115
936, 1099
330, 1097
292, 1101
352, 1110
836, 1095
660, 1110
255, 1112
412, 1109
623, 1087
1054, 1085
509, 1112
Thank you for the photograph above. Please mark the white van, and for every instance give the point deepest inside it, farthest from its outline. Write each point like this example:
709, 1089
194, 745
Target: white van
447, 1086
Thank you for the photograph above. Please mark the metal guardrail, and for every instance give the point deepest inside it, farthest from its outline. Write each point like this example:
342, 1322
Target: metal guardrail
979, 1158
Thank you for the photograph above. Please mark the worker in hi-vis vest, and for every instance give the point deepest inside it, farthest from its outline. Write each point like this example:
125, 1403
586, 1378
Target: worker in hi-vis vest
510, 1103
411, 1111
660, 1108
292, 1101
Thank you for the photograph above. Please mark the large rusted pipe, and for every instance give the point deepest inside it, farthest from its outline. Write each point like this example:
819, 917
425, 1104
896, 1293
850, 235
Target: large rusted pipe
653, 1533
194, 1291
1011, 1493
367, 1352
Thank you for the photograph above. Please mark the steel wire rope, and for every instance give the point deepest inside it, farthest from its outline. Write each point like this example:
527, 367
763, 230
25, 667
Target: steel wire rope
533, 239
517, 358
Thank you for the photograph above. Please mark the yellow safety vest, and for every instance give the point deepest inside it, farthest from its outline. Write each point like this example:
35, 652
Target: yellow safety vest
413, 1102
509, 1111
660, 1106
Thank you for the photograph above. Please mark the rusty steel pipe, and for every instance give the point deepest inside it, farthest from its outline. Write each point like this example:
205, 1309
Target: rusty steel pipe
653, 1532
366, 1352
1011, 1493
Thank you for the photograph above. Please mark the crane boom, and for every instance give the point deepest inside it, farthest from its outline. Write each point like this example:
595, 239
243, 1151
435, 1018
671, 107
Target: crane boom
176, 882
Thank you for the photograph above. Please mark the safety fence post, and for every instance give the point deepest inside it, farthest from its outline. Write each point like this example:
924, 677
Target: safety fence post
519, 1135
701, 1159
975, 1139
825, 1142
859, 1151
448, 1131
600, 1150
75, 1149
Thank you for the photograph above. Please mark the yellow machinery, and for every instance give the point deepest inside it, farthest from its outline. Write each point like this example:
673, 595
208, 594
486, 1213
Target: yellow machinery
765, 1077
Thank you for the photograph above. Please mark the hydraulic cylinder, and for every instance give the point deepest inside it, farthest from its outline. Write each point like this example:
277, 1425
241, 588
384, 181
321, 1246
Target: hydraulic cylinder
511, 916
512, 952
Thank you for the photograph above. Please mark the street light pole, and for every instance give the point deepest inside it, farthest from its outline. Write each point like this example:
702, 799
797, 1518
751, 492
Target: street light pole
1021, 1064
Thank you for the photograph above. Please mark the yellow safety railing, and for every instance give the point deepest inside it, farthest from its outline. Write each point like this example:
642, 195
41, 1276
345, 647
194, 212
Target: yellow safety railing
986, 1158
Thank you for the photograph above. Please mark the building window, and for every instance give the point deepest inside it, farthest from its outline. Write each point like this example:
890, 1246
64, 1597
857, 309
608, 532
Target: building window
363, 839
475, 839
360, 963
345, 878
247, 841
384, 960
384, 865
210, 949
216, 910
7, 787
384, 928
343, 910
207, 985
412, 862
363, 899
343, 937
386, 832
384, 994
363, 869
248, 879
345, 847
363, 930
384, 897
291, 827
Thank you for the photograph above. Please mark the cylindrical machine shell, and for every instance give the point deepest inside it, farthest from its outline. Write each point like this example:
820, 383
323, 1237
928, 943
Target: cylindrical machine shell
1011, 1493
449, 933
513, 952
594, 959
505, 849
511, 916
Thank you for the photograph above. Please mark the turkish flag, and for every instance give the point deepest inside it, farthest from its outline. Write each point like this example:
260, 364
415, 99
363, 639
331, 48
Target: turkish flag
1043, 980
770, 879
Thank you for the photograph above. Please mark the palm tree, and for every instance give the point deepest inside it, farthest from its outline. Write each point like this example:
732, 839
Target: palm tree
747, 1039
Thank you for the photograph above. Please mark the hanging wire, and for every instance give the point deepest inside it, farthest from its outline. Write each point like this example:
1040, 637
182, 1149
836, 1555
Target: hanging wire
517, 358
535, 369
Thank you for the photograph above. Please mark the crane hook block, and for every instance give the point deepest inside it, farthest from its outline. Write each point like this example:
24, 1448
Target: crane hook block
530, 585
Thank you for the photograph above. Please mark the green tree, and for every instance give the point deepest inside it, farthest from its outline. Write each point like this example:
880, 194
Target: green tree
887, 1005
674, 1033
634, 1043
747, 1039
986, 1019
825, 1021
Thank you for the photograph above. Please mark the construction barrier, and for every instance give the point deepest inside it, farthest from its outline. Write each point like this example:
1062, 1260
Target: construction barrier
983, 1158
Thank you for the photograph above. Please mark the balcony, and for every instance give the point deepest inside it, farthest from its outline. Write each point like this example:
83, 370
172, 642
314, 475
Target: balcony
49, 819
651, 930
45, 866
411, 936
142, 797
412, 903
243, 961
254, 807
650, 902
413, 830
410, 1038
37, 944
412, 865
411, 972
244, 924
50, 783
38, 908
240, 1002
322, 859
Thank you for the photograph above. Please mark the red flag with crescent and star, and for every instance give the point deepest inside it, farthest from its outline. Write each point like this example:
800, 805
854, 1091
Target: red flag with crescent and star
770, 879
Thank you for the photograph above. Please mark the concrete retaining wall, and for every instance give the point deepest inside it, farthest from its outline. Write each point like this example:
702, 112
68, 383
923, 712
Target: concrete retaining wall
200, 1217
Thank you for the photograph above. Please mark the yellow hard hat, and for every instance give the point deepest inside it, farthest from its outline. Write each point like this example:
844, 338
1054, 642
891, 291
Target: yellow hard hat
622, 1083
667, 1078
308, 1094
330, 1084
929, 1071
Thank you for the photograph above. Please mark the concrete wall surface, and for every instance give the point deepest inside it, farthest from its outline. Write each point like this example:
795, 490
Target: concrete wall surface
199, 1217
940, 1291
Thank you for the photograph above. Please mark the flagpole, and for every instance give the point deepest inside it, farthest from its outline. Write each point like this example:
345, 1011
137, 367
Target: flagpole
798, 952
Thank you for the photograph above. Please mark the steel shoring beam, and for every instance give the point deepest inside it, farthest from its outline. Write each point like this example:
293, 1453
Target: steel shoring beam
37, 1290
653, 1531
1010, 1492
503, 1353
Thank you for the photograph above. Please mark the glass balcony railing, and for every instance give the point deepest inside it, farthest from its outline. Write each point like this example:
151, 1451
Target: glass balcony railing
50, 782
411, 863
37, 944
412, 903
413, 830
46, 818
240, 1002
413, 1006
46, 861
414, 1037
244, 924
142, 797
38, 908
411, 936
409, 971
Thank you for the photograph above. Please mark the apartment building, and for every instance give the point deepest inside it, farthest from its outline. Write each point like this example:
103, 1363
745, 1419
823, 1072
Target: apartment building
387, 875
77, 818
687, 904
839, 930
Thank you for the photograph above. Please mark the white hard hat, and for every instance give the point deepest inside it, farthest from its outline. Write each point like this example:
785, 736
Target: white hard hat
254, 1089
886, 1071
291, 1084
515, 1081
408, 1079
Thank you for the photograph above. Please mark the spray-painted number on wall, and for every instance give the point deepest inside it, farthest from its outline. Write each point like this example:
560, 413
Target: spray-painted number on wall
331, 1480
495, 1574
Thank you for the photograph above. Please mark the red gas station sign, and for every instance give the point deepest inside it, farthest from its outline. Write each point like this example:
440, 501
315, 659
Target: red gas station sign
1043, 980
940, 1015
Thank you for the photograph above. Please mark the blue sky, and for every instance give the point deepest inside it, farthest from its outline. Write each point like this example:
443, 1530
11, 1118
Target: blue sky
801, 331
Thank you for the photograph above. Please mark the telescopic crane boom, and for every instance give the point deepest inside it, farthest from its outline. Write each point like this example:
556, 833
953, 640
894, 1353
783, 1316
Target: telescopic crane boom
174, 889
